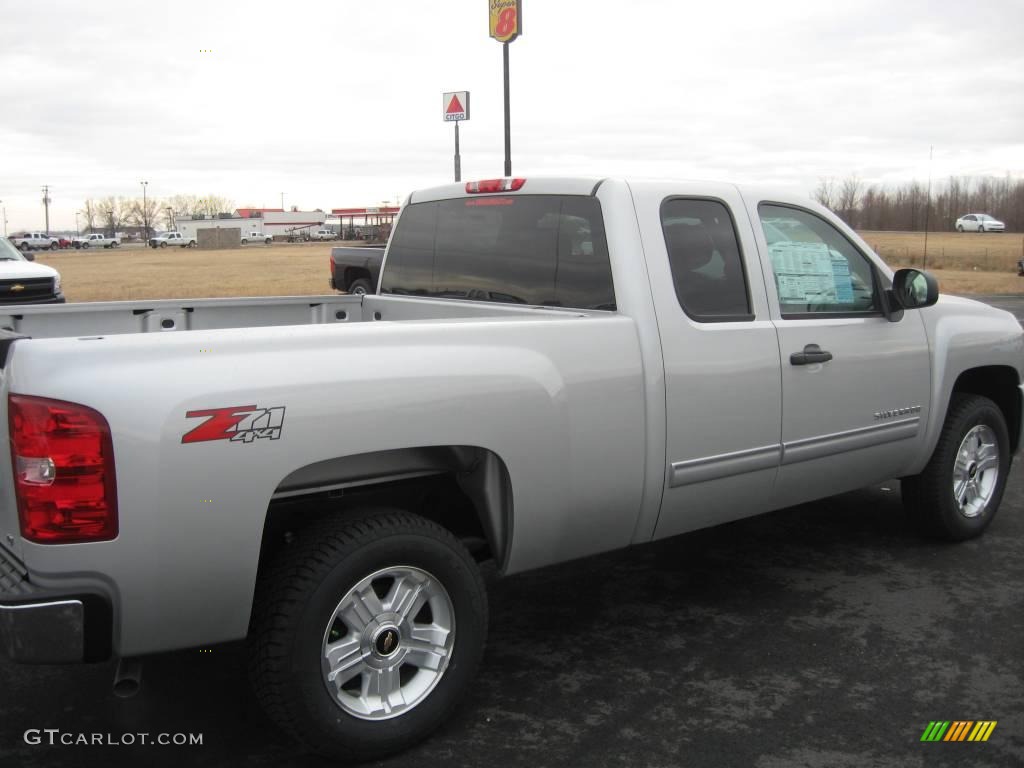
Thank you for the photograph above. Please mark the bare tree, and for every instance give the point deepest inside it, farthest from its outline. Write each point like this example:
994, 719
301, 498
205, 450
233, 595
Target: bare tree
849, 195
111, 210
139, 214
825, 192
90, 212
211, 205
184, 205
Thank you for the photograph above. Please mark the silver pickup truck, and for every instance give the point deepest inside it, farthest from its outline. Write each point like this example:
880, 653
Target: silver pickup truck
551, 368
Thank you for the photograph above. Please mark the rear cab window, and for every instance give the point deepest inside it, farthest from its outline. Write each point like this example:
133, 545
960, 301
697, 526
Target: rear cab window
705, 259
545, 250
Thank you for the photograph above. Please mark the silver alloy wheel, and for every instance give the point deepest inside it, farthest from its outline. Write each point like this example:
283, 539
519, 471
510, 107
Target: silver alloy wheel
976, 470
388, 643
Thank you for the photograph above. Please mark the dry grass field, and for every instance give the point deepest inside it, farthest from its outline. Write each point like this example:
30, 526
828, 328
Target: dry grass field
298, 269
963, 263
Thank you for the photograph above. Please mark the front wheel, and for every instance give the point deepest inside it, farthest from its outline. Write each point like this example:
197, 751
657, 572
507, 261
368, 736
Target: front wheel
960, 228
366, 633
268, 241
114, 245
958, 493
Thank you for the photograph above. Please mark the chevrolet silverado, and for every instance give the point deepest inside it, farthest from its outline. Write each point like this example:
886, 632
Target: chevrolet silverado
550, 368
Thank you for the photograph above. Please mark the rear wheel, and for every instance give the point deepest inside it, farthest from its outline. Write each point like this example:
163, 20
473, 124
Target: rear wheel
114, 244
360, 287
244, 241
367, 633
268, 241
54, 246
957, 494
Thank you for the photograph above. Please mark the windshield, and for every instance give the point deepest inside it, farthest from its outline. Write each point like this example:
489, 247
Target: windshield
8, 252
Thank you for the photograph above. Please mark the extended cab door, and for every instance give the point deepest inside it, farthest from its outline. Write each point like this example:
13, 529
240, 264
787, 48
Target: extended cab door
855, 386
721, 355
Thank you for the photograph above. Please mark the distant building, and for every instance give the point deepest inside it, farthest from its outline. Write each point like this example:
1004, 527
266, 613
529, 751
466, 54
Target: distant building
272, 222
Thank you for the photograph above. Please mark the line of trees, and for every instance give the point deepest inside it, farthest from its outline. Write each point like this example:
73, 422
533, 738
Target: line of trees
906, 207
111, 213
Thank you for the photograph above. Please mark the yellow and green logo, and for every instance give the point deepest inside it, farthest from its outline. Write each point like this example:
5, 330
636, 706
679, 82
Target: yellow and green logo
959, 730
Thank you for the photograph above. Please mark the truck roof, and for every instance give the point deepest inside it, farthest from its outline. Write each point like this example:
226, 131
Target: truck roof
582, 185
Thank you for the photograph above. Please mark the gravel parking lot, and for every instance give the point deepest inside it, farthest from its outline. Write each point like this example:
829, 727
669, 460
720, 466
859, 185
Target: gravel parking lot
822, 635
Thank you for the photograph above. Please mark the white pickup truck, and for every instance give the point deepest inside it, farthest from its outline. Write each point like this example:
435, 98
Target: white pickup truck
95, 240
551, 368
164, 239
35, 241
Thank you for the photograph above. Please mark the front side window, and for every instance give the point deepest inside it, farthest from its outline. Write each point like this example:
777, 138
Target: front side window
817, 270
704, 256
547, 250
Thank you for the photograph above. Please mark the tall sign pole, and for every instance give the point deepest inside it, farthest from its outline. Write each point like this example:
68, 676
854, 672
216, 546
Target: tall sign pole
506, 24
456, 108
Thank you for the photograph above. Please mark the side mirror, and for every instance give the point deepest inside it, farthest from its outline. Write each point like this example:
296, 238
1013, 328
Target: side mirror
29, 256
914, 289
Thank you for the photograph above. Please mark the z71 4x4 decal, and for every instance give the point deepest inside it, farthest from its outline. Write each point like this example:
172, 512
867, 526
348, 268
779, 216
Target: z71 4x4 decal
237, 423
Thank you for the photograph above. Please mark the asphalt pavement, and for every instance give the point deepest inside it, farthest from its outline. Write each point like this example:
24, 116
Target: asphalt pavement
827, 634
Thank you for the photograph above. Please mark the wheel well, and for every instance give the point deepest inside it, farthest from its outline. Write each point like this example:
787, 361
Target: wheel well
999, 383
355, 273
463, 488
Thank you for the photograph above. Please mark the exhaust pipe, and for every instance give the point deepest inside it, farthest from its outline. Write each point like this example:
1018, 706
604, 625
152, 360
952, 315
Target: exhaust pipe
127, 678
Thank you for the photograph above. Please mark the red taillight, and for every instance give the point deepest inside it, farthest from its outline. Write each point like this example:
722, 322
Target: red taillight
494, 185
331, 260
63, 461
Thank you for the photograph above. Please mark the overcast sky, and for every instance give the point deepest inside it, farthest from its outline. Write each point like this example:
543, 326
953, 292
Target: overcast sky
339, 103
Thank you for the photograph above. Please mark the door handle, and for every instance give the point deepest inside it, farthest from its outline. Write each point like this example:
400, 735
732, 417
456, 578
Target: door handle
812, 354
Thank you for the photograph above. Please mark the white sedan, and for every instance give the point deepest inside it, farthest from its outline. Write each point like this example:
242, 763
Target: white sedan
979, 222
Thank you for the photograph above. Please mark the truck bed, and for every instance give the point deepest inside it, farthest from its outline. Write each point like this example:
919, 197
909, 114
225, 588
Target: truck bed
125, 317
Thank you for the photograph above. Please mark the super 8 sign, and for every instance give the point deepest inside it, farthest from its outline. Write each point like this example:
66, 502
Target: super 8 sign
506, 19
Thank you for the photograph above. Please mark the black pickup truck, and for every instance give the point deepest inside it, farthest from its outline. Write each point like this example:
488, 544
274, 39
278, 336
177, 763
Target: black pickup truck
355, 270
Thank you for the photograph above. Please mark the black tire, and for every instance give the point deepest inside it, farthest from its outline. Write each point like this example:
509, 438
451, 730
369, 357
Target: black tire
191, 243
25, 247
960, 228
244, 241
360, 287
54, 246
268, 241
929, 498
163, 244
85, 244
114, 244
296, 597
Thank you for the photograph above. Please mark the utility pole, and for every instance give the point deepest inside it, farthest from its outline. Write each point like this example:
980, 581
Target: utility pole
927, 208
282, 201
46, 205
145, 213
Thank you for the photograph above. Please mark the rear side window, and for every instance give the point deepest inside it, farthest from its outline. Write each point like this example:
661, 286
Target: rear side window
547, 250
704, 255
